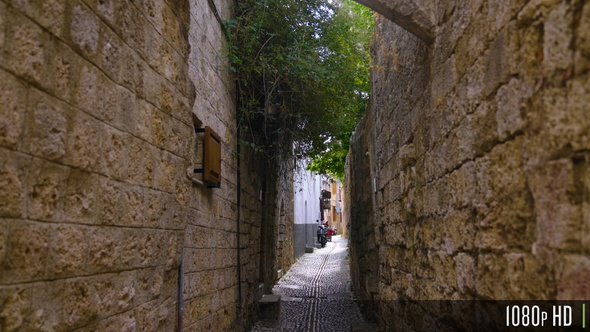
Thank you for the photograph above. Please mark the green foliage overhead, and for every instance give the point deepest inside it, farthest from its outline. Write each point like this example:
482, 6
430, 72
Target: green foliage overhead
302, 68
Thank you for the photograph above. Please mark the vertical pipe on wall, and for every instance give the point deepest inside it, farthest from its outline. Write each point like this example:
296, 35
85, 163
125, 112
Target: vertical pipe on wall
239, 188
180, 289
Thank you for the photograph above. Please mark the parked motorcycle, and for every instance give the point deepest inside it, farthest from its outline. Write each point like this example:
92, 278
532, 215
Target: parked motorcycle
322, 235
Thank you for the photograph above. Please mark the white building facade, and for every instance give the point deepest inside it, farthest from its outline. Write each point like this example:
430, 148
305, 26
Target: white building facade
306, 202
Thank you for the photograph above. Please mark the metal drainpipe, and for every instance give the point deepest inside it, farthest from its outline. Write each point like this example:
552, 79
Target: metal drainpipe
239, 189
180, 290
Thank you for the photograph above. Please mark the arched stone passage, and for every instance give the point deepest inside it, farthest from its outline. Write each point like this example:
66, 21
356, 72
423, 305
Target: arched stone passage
414, 16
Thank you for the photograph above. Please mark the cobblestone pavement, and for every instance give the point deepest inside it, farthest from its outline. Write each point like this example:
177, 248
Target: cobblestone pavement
316, 294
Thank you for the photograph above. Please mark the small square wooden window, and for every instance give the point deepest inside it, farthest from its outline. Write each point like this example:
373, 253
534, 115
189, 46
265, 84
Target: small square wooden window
211, 158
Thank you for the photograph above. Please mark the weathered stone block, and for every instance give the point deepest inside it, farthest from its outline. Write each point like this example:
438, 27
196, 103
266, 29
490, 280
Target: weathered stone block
45, 310
562, 120
557, 215
47, 126
475, 85
51, 16
530, 54
507, 174
45, 200
125, 118
441, 270
166, 317
196, 237
146, 317
557, 54
3, 239
63, 72
147, 248
84, 143
111, 55
133, 242
81, 199
3, 19
28, 255
571, 278
490, 268
506, 224
149, 165
578, 133
89, 88
104, 249
12, 110
70, 250
461, 185
115, 154
497, 60
270, 307
80, 303
143, 121
197, 259
108, 105
465, 272
28, 53
85, 29
528, 278
434, 197
511, 100
582, 39
445, 79
157, 283
584, 174
14, 308
128, 323
46, 13
471, 43
156, 207
158, 124
460, 231
12, 184
173, 242
166, 171
135, 159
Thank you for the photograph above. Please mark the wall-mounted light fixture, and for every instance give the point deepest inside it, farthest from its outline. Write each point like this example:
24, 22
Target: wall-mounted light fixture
211, 157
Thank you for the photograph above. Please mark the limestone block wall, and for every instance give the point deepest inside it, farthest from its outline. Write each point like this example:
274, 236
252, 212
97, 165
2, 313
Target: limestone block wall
94, 128
98, 105
276, 249
285, 219
211, 290
361, 213
479, 157
218, 297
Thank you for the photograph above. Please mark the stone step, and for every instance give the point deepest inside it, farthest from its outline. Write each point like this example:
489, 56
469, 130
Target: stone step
269, 307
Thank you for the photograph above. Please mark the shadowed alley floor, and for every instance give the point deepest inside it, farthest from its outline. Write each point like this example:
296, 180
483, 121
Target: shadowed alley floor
316, 294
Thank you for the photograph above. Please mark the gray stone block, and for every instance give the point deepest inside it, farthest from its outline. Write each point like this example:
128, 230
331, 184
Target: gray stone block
269, 307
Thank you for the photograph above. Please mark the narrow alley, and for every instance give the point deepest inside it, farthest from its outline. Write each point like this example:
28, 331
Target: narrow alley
316, 294
165, 165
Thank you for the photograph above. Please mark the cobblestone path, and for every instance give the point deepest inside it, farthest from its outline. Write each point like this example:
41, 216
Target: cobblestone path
316, 295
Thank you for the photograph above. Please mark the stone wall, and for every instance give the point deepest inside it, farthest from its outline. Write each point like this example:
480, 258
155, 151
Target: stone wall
99, 102
478, 151
276, 241
361, 213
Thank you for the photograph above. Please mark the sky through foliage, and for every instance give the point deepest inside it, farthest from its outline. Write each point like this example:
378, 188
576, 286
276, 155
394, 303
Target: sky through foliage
302, 68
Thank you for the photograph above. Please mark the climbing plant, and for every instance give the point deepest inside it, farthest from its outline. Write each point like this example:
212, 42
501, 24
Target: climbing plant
302, 68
